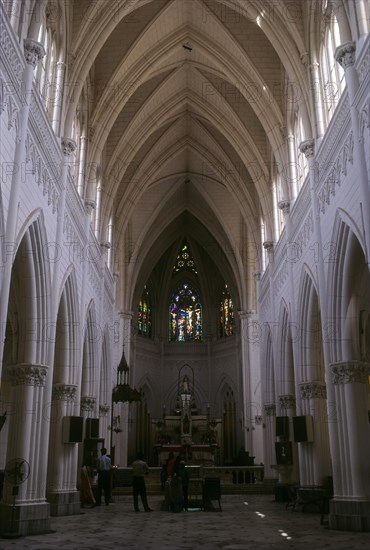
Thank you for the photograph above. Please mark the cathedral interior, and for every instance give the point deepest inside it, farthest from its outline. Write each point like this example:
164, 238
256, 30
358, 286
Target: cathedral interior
185, 243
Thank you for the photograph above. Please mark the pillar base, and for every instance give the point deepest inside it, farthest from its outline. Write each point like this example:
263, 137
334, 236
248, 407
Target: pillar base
24, 519
66, 503
349, 515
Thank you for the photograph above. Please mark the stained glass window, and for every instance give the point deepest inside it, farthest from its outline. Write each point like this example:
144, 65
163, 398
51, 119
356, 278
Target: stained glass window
185, 315
144, 316
185, 260
226, 313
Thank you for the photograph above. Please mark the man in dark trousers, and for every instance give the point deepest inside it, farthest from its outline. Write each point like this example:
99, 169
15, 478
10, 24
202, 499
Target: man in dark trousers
139, 471
104, 468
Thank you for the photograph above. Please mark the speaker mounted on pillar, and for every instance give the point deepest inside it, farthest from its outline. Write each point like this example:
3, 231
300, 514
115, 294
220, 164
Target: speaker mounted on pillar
92, 428
282, 427
72, 429
303, 429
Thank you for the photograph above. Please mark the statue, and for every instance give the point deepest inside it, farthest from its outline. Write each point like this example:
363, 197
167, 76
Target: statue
185, 385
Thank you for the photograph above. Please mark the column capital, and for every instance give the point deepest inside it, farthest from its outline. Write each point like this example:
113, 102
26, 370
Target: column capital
33, 51
104, 410
307, 148
268, 245
284, 205
68, 146
128, 315
287, 401
90, 205
312, 390
27, 374
257, 275
64, 392
105, 245
305, 56
88, 403
246, 314
270, 409
348, 372
346, 54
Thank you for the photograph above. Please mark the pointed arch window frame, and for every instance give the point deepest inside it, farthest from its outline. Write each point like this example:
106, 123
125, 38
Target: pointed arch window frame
185, 323
226, 308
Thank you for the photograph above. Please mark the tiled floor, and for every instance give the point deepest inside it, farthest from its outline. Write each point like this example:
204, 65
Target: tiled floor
252, 522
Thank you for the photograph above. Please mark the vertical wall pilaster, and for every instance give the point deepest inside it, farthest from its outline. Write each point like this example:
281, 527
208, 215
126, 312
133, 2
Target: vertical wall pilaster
27, 383
345, 55
287, 407
33, 53
351, 508
246, 390
314, 457
58, 97
269, 439
62, 494
308, 149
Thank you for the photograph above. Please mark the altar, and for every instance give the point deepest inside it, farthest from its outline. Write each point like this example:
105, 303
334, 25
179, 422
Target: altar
197, 455
187, 432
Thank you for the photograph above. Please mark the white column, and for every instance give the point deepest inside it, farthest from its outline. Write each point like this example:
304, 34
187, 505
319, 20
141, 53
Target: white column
97, 223
350, 381
82, 165
246, 390
350, 509
345, 55
58, 96
57, 475
33, 53
269, 420
62, 493
317, 99
25, 379
292, 172
314, 457
289, 473
308, 149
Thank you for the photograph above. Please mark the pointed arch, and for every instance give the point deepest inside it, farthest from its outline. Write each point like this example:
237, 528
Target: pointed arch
92, 337
67, 344
30, 292
348, 283
311, 358
285, 383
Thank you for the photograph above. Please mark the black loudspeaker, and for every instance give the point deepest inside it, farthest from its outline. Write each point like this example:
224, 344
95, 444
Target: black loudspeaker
284, 454
282, 427
92, 428
72, 429
303, 429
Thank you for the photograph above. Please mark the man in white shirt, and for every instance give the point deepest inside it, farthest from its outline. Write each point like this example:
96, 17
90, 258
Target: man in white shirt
104, 482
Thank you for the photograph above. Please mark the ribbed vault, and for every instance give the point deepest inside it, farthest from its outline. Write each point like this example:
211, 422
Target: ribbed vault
186, 121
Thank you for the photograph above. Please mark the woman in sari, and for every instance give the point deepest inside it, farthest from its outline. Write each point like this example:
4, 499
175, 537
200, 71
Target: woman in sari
87, 496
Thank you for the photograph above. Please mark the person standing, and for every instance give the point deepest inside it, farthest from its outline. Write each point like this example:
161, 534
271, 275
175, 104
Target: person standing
170, 471
139, 470
87, 495
104, 468
183, 474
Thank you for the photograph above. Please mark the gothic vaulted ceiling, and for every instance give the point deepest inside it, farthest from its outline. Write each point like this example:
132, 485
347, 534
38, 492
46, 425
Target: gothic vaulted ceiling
186, 113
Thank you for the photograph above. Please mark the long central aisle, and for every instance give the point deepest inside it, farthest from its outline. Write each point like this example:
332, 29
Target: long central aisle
252, 522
